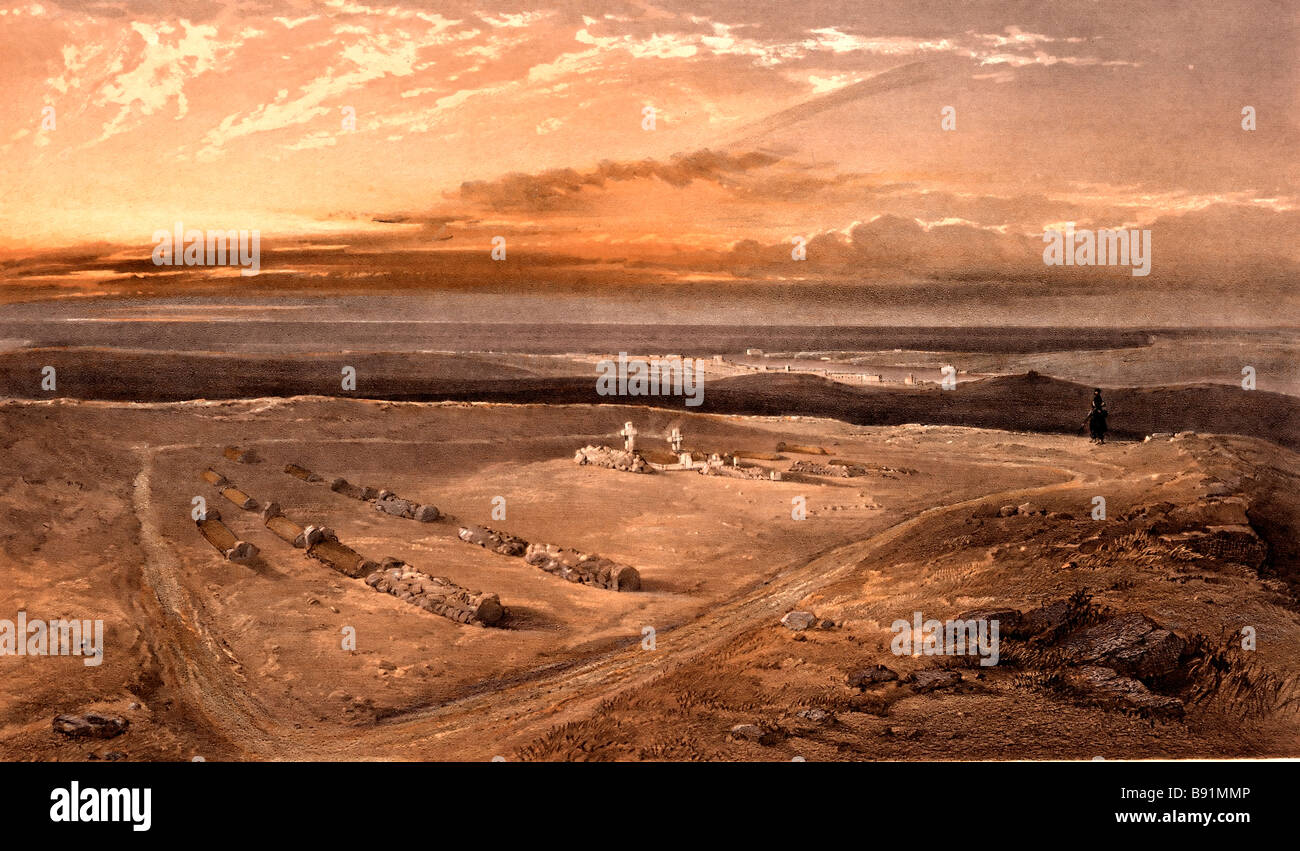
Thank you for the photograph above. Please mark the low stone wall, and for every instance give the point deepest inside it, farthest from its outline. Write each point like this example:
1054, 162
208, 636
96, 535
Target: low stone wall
614, 459
584, 568
491, 539
220, 536
734, 472
436, 594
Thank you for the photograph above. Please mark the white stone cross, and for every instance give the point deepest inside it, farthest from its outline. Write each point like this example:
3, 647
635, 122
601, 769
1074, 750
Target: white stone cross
629, 433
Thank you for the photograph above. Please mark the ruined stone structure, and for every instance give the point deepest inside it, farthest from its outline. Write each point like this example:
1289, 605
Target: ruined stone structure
243, 456
220, 536
584, 568
491, 539
436, 594
614, 459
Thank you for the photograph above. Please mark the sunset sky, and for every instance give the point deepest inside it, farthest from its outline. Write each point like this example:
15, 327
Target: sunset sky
773, 120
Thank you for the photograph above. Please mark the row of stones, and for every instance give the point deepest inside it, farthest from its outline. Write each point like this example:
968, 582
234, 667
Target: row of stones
437, 595
569, 564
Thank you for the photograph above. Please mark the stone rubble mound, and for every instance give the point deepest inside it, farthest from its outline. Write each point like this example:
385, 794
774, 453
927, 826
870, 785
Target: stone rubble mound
614, 459
584, 568
841, 471
436, 594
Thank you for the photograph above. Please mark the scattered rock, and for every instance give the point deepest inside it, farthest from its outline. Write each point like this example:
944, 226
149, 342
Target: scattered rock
798, 621
931, 680
753, 733
1029, 508
1007, 511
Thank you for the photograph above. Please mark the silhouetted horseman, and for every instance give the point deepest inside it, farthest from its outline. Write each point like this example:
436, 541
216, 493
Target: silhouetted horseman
1096, 421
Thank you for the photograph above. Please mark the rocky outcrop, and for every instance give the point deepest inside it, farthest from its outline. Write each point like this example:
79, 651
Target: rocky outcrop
798, 621
91, 725
436, 594
1238, 544
1132, 644
583, 568
1106, 688
491, 539
932, 680
614, 459
870, 677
